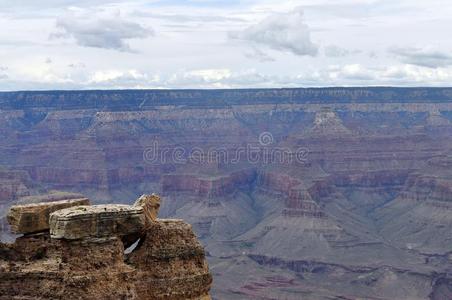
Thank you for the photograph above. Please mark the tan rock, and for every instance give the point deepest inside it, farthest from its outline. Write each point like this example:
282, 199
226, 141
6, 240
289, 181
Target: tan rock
170, 263
96, 221
31, 218
150, 205
85, 259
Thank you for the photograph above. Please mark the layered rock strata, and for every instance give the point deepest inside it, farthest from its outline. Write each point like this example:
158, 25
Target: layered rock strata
372, 195
168, 262
30, 218
96, 221
13, 185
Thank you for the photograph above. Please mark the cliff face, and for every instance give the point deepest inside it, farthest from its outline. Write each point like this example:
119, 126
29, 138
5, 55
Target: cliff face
75, 261
215, 186
134, 99
363, 211
13, 185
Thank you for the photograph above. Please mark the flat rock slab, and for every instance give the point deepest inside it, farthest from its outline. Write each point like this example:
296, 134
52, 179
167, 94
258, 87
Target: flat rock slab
96, 221
31, 218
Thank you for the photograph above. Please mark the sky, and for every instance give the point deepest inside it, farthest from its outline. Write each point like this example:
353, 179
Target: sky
107, 44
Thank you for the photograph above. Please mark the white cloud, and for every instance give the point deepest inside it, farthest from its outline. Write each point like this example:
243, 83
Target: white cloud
78, 65
122, 79
281, 31
336, 51
3, 74
204, 78
259, 55
192, 48
352, 72
32, 5
425, 57
414, 74
347, 75
89, 29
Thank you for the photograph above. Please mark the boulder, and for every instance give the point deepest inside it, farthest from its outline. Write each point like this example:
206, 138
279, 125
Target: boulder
32, 218
96, 221
150, 205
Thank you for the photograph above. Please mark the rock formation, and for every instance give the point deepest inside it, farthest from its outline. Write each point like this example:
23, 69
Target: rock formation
170, 263
13, 184
80, 254
150, 205
33, 218
96, 221
327, 122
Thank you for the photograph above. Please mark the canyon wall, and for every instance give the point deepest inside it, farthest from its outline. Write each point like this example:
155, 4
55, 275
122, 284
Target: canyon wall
325, 193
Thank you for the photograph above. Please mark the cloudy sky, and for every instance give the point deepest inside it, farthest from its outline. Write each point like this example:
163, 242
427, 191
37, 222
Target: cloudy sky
86, 44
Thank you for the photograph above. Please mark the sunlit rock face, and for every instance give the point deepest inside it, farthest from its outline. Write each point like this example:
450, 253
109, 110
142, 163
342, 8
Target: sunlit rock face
325, 193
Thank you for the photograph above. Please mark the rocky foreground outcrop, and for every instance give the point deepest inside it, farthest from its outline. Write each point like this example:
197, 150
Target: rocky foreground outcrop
80, 254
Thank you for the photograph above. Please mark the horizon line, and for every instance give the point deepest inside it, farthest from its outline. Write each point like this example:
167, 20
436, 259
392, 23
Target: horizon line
223, 89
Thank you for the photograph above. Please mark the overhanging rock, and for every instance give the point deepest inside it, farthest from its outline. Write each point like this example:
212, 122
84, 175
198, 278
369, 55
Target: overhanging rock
96, 221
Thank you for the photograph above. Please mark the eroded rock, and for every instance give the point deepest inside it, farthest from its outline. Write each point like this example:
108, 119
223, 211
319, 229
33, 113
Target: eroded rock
31, 218
171, 263
82, 257
150, 205
96, 221
81, 269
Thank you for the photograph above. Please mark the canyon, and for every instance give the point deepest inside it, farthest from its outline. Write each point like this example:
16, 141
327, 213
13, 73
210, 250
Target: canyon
322, 193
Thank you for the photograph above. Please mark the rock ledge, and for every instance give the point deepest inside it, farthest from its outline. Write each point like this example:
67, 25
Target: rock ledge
81, 255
